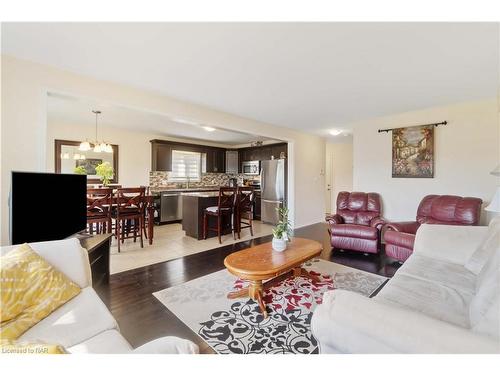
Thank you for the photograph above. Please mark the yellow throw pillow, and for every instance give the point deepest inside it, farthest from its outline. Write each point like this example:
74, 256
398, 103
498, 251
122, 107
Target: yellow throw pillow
34, 347
30, 290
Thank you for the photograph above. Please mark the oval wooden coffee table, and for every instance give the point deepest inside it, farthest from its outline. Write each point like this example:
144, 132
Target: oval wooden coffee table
259, 263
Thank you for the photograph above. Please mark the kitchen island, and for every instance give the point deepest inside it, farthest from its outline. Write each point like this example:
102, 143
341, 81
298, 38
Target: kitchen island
168, 201
193, 205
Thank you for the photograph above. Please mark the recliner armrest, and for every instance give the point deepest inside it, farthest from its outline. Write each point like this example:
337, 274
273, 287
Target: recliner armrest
404, 226
334, 219
377, 222
345, 322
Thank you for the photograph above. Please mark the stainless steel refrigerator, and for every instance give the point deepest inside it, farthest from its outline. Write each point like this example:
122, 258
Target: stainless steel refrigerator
272, 183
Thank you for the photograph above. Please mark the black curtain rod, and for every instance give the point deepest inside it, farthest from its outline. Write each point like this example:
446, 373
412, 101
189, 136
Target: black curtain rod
435, 124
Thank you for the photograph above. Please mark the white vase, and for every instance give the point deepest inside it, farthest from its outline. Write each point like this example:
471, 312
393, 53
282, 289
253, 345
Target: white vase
279, 244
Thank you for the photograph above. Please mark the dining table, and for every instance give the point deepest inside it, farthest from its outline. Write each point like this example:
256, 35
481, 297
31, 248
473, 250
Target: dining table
149, 210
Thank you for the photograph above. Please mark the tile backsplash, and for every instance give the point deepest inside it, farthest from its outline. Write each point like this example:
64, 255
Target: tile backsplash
161, 179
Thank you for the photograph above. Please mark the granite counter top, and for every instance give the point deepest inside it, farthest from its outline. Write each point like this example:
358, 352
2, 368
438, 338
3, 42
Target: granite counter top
159, 190
206, 194
195, 190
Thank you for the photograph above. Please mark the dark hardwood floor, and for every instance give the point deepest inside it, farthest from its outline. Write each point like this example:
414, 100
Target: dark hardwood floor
142, 317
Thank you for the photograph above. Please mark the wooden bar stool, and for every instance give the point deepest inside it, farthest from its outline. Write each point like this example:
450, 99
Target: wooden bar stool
244, 209
225, 208
146, 219
129, 214
99, 203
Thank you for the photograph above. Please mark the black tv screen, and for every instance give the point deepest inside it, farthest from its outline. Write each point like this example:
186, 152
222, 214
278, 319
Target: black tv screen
47, 206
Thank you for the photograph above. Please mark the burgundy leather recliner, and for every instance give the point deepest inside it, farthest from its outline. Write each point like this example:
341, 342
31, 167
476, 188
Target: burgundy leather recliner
433, 209
357, 223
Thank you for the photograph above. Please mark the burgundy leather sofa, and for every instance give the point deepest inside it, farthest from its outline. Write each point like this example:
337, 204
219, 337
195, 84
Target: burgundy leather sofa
433, 209
357, 223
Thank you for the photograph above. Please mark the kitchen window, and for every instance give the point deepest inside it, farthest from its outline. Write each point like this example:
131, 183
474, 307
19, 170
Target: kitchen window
186, 166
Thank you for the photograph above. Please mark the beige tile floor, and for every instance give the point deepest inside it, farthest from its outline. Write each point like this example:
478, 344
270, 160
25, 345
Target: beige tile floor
170, 242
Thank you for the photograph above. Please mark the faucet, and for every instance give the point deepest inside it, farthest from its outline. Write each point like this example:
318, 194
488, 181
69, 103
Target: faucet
187, 183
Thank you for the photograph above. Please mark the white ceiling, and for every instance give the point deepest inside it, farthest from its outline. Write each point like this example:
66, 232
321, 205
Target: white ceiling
309, 76
66, 109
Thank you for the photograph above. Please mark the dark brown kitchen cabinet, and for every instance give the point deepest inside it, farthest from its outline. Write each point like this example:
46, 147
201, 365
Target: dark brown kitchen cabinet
161, 154
161, 157
262, 152
244, 154
216, 160
276, 150
221, 161
265, 153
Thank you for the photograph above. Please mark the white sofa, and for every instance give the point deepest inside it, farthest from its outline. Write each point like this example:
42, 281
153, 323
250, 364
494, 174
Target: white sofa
444, 299
84, 324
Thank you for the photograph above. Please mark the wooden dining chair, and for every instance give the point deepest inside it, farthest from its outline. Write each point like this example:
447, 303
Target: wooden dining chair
99, 203
245, 197
224, 209
129, 214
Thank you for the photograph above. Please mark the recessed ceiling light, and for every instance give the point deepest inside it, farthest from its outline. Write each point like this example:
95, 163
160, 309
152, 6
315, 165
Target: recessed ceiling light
335, 132
208, 128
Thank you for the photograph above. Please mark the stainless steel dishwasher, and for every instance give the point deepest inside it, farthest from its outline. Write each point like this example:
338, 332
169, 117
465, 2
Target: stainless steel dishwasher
171, 207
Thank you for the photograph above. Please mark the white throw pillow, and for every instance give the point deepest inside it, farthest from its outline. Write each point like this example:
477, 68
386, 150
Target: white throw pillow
485, 250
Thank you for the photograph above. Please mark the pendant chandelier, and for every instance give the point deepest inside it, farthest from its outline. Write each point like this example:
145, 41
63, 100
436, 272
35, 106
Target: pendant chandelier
97, 146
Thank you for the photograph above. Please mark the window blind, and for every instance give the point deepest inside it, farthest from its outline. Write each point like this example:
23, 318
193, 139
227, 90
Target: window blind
186, 165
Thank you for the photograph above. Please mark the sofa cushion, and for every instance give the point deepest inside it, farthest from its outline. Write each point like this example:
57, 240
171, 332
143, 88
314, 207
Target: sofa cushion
65, 255
107, 342
74, 322
484, 308
31, 290
441, 272
354, 230
485, 249
488, 321
428, 297
167, 345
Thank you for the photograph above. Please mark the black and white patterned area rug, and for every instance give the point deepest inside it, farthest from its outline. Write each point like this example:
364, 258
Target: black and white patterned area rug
237, 326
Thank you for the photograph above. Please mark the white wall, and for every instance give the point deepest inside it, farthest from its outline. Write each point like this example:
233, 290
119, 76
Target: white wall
24, 131
466, 150
339, 166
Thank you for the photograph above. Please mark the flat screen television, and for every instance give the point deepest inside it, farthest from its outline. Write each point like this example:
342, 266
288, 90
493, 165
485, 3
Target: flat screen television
46, 206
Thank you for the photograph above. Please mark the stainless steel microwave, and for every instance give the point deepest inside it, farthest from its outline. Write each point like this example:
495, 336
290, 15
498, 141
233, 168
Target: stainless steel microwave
251, 167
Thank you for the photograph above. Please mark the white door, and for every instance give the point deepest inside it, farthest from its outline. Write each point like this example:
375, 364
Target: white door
329, 180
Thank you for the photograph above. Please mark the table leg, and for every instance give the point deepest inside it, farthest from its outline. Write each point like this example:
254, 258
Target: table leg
255, 291
244, 292
151, 220
238, 293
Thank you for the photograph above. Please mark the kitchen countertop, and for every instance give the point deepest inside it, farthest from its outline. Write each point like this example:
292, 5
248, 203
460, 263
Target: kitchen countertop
206, 194
159, 190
